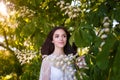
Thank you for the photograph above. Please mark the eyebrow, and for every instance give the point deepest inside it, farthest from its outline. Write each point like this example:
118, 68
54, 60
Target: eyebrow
62, 34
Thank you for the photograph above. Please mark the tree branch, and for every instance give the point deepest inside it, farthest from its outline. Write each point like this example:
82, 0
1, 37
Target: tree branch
2, 45
5, 36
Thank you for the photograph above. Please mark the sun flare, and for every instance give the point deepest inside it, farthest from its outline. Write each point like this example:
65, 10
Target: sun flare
3, 9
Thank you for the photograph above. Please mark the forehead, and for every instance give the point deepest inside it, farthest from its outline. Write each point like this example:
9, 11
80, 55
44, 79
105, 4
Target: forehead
60, 31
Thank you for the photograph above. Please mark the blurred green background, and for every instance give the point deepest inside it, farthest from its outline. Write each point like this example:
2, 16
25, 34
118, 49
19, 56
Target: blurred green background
93, 24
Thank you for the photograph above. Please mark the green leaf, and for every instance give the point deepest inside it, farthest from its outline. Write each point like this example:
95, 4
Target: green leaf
116, 65
84, 37
78, 39
102, 59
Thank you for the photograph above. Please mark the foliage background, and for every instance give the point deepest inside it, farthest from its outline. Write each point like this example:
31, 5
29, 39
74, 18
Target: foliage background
90, 23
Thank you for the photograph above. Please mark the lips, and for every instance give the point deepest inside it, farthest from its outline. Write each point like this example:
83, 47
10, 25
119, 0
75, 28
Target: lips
61, 42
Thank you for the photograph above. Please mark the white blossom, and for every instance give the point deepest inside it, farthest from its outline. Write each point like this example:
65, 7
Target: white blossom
67, 63
106, 30
24, 56
106, 24
71, 11
103, 36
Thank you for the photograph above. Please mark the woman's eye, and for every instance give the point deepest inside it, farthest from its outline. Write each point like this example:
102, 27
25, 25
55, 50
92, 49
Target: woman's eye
56, 36
64, 36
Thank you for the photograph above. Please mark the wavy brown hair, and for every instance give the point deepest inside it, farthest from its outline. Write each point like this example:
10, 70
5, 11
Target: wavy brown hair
48, 47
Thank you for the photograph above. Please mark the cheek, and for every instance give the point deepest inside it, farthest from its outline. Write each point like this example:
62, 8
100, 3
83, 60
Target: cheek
54, 40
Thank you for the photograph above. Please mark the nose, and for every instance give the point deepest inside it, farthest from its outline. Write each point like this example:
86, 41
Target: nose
61, 38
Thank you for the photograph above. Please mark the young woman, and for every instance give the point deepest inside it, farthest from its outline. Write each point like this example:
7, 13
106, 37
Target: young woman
56, 47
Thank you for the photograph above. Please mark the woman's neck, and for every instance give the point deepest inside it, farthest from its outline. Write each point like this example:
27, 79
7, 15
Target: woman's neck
59, 51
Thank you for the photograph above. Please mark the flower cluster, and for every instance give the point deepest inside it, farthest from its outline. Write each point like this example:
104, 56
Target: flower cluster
83, 51
71, 10
68, 64
25, 11
25, 56
103, 33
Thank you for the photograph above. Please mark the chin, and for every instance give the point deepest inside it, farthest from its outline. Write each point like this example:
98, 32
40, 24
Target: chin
61, 46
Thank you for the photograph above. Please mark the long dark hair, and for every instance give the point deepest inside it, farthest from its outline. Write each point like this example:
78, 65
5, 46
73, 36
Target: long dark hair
48, 47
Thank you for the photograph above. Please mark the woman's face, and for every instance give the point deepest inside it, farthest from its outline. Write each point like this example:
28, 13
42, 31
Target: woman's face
59, 38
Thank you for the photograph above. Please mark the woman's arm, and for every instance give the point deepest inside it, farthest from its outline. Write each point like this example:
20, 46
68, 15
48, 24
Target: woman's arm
45, 70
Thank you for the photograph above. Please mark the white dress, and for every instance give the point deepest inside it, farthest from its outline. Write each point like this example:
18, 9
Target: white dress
52, 70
